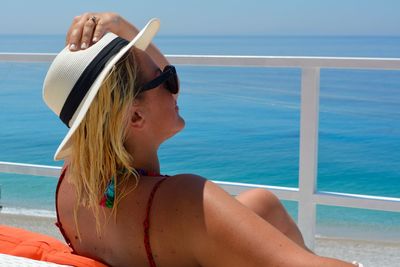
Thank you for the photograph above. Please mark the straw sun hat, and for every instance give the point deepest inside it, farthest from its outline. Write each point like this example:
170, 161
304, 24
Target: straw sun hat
74, 78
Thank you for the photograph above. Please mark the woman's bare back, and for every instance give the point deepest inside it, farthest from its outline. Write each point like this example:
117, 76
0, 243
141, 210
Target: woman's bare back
121, 242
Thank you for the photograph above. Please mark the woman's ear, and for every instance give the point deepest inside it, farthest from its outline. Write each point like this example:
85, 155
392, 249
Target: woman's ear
136, 118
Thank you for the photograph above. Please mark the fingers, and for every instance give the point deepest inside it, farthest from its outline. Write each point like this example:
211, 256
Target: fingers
99, 31
83, 30
87, 33
88, 28
74, 33
71, 28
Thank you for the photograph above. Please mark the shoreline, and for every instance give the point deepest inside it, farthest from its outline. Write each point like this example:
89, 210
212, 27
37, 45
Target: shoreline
369, 252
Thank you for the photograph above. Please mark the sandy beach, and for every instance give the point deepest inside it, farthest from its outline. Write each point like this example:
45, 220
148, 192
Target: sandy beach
370, 253
43, 225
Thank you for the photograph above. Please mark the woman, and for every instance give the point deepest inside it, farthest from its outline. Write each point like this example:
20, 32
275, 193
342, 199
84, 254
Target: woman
119, 99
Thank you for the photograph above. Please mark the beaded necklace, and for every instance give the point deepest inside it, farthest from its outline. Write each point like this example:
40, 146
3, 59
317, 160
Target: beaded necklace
107, 200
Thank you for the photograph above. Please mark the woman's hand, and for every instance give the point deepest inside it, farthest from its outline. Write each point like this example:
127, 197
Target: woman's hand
88, 28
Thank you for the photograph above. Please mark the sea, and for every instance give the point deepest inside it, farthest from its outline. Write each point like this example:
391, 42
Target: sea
242, 124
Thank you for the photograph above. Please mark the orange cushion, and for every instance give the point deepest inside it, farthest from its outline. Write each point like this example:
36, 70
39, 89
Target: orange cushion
23, 243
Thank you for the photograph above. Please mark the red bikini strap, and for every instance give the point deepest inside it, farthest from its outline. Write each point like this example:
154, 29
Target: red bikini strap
58, 222
146, 224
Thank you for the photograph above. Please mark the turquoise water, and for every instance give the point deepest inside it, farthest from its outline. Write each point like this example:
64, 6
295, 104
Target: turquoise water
242, 124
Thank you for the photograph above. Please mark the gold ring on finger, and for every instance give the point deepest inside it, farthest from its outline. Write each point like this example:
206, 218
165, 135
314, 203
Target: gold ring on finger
94, 19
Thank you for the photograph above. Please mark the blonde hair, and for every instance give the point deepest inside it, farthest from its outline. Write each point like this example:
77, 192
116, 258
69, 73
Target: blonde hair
98, 153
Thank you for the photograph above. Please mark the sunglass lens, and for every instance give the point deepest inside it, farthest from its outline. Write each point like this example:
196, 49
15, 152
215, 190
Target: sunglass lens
172, 82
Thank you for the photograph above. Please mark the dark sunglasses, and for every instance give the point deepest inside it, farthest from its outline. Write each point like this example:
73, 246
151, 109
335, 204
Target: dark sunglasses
168, 76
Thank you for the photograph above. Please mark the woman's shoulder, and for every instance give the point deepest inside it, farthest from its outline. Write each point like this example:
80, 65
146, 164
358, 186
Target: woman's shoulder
190, 191
193, 199
179, 182
188, 187
186, 195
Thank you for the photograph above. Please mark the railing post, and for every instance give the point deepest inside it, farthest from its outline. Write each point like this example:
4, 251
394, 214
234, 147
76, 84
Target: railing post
308, 153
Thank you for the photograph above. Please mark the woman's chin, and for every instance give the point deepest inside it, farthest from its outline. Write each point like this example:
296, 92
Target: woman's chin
180, 125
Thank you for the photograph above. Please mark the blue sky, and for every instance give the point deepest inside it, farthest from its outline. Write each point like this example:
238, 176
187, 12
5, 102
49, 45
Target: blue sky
214, 17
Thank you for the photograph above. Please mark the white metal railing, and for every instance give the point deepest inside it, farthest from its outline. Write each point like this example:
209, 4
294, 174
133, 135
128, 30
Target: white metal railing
306, 195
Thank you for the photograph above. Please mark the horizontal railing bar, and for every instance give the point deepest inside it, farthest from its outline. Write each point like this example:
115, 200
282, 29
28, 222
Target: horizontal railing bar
245, 61
357, 201
234, 188
286, 193
29, 169
322, 197
27, 57
287, 62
